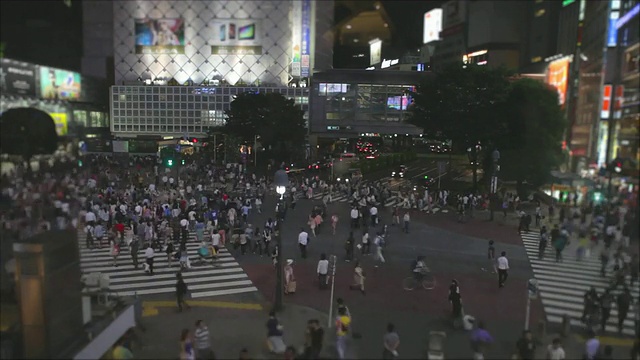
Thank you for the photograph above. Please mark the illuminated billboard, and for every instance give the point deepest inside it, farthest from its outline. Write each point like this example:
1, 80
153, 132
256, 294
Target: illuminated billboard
159, 36
56, 84
558, 77
432, 26
236, 37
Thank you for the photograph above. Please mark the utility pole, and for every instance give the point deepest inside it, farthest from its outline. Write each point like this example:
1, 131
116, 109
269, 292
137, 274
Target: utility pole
493, 189
333, 285
215, 148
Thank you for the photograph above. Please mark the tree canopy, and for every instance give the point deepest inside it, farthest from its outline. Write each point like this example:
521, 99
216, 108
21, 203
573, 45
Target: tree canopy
535, 123
27, 132
520, 117
276, 120
458, 103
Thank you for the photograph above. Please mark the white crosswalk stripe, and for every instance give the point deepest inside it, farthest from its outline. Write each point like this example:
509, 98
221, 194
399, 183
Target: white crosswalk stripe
563, 285
203, 280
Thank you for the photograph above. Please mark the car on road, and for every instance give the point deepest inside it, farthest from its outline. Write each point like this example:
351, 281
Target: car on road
294, 168
399, 172
351, 176
423, 183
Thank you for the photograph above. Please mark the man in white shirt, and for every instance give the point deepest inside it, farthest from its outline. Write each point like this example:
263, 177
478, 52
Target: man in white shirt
354, 217
215, 240
149, 255
303, 240
366, 246
503, 267
379, 243
374, 215
323, 269
90, 218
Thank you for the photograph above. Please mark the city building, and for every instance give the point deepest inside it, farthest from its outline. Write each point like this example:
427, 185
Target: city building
77, 103
541, 39
628, 27
481, 32
178, 64
360, 23
348, 104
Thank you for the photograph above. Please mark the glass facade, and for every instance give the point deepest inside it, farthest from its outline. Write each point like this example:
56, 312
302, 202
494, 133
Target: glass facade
179, 110
365, 102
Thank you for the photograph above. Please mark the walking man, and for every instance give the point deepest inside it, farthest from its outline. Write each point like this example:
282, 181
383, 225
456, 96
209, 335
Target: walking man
181, 292
203, 341
134, 248
323, 269
149, 254
303, 240
406, 220
623, 302
503, 268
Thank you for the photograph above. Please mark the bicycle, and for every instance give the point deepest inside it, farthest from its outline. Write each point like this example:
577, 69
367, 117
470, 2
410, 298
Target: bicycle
427, 280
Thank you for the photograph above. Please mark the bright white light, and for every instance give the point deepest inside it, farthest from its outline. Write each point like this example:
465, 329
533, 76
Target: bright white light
281, 190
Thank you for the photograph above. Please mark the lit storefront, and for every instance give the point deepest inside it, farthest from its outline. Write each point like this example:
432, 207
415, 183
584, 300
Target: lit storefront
76, 103
627, 146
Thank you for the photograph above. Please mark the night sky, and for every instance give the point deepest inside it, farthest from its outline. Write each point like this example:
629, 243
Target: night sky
44, 32
49, 32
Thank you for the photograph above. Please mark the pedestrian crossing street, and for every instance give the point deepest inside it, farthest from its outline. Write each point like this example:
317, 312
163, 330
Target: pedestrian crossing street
562, 285
203, 280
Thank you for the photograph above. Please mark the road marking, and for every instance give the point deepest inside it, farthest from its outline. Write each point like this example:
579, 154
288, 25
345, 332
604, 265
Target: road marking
150, 308
608, 340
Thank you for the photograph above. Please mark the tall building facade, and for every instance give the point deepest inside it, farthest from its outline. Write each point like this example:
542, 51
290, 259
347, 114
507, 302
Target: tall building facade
482, 32
178, 64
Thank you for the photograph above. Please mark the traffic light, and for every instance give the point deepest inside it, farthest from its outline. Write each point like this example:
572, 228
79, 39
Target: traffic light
182, 162
426, 177
615, 166
169, 162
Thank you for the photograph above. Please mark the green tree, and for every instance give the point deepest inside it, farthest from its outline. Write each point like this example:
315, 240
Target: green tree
27, 132
532, 146
276, 120
459, 103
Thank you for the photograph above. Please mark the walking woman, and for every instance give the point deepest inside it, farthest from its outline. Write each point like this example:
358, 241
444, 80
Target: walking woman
290, 280
115, 251
334, 223
186, 346
312, 225
358, 278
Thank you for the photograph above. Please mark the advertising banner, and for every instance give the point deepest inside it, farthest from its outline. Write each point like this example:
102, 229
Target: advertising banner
306, 36
60, 119
296, 39
375, 51
236, 37
56, 84
558, 76
18, 78
159, 36
432, 26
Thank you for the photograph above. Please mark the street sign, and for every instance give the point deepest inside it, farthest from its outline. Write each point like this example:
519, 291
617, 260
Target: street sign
442, 167
494, 184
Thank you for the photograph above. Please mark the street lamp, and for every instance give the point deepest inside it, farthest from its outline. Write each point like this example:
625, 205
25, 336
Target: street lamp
280, 180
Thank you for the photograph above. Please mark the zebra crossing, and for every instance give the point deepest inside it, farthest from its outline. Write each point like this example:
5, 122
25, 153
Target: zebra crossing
562, 285
204, 280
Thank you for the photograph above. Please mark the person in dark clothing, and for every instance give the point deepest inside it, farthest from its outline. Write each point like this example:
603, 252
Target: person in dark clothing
135, 248
606, 302
455, 299
314, 340
181, 292
526, 346
542, 245
349, 245
623, 301
590, 303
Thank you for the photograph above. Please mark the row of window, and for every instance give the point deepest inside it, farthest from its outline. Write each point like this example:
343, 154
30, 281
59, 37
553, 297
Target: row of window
186, 90
333, 89
161, 129
189, 104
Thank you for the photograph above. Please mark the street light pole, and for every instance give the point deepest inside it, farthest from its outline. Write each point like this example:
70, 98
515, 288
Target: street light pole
281, 181
493, 188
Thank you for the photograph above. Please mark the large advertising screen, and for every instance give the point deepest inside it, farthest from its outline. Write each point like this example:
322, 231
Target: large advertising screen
159, 36
558, 76
432, 26
236, 37
59, 84
18, 78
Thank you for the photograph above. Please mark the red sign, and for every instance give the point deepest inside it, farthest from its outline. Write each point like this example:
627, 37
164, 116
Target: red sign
606, 101
619, 97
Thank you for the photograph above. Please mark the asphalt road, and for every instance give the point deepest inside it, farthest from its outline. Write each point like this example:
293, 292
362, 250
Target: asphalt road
449, 255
